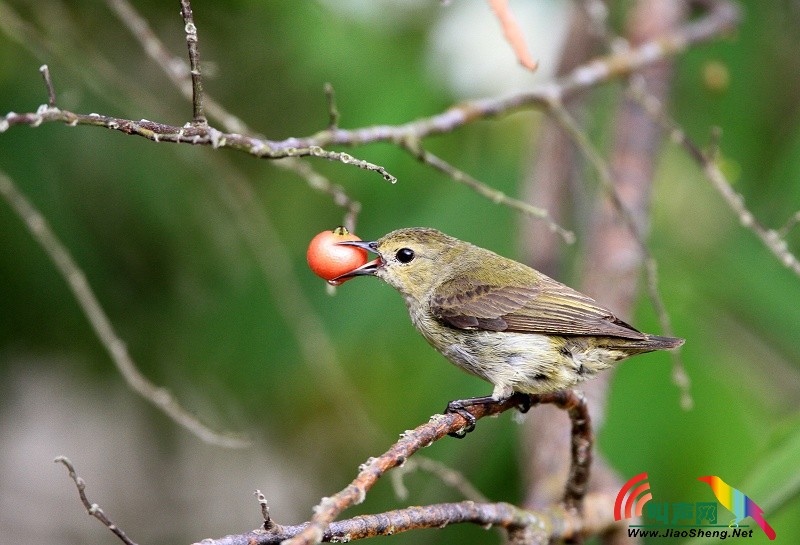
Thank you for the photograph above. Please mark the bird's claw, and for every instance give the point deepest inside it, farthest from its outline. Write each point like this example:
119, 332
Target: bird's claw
525, 403
457, 407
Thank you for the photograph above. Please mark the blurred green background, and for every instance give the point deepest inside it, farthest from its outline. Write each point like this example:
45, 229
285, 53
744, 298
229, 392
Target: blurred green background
255, 344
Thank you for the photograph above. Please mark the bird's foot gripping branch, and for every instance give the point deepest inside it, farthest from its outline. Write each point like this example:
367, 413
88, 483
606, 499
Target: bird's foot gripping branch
576, 516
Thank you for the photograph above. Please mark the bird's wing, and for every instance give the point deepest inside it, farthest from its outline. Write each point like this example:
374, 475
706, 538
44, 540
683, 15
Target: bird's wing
546, 307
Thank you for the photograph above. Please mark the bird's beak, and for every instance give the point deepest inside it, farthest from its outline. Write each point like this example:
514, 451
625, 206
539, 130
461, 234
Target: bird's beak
368, 269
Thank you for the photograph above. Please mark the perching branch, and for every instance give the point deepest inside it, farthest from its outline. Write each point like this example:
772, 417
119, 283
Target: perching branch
577, 517
440, 426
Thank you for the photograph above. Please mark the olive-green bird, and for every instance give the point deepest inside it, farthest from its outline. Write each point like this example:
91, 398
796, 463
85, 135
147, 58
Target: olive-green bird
498, 319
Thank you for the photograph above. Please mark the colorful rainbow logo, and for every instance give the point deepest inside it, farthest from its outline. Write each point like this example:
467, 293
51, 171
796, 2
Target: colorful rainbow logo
737, 503
635, 490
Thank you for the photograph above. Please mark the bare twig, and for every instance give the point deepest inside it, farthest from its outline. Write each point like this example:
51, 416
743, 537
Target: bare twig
484, 190
176, 68
198, 115
92, 508
48, 82
262, 501
513, 33
199, 135
76, 280
773, 239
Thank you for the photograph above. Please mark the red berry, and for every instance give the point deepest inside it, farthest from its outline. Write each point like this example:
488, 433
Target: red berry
328, 259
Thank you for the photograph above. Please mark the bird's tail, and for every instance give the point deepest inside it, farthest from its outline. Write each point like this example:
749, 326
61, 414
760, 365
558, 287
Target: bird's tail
758, 517
664, 343
648, 343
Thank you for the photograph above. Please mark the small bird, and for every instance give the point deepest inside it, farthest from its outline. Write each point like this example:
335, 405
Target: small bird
737, 503
498, 319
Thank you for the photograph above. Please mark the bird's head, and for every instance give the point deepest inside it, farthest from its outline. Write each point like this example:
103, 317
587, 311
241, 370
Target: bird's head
412, 260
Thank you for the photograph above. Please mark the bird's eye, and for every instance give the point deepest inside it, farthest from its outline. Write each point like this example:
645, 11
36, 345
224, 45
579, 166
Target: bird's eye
404, 255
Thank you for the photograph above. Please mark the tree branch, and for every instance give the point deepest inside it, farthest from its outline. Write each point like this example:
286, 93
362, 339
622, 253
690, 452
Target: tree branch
542, 527
198, 135
720, 17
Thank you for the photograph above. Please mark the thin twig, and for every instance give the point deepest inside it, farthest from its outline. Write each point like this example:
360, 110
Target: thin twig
447, 475
773, 239
484, 190
262, 501
92, 509
48, 82
176, 68
198, 115
76, 280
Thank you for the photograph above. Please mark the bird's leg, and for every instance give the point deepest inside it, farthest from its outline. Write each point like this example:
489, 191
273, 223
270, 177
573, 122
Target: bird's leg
459, 406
